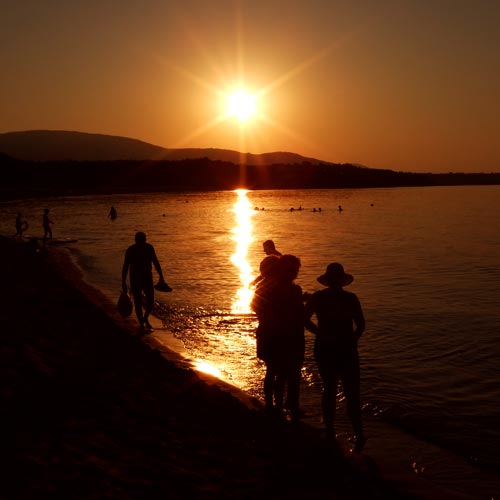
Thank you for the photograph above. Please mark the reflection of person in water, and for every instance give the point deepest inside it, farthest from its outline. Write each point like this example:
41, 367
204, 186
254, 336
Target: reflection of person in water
340, 324
21, 225
280, 310
47, 226
113, 214
139, 259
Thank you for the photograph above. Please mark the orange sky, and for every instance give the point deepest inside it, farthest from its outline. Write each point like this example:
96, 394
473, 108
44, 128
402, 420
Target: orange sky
406, 85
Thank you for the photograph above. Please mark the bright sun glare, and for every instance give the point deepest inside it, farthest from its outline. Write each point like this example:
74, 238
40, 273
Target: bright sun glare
241, 105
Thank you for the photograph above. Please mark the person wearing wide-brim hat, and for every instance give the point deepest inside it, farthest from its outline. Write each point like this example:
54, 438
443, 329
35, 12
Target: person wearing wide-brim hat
340, 324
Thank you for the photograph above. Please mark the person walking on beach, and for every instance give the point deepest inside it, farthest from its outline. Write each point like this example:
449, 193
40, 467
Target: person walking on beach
280, 310
47, 226
139, 259
340, 324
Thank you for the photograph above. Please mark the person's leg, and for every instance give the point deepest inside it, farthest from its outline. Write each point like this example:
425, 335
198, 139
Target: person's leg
269, 387
150, 300
329, 379
137, 296
351, 381
293, 394
279, 389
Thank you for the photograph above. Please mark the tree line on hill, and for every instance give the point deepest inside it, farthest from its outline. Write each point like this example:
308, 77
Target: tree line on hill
27, 178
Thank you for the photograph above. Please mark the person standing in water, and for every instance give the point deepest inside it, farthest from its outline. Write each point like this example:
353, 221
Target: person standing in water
113, 214
280, 310
139, 260
340, 324
47, 226
270, 248
21, 225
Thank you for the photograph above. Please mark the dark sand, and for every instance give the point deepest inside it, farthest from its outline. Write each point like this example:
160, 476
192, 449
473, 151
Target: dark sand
89, 410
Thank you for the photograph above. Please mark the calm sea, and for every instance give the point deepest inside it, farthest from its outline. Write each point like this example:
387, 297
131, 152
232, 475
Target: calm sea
426, 263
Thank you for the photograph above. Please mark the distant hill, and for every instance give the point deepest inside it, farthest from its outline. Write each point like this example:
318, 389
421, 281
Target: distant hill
59, 145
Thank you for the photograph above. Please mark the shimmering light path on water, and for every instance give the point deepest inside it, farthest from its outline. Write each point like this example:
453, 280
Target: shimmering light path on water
242, 235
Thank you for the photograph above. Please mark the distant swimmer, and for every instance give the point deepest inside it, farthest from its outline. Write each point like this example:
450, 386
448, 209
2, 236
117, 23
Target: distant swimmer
340, 208
47, 226
113, 214
21, 225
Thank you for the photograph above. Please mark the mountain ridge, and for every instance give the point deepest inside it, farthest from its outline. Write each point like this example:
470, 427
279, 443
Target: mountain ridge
63, 145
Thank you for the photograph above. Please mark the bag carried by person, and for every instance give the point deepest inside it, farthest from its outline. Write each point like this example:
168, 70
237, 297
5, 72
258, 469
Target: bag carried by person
125, 305
162, 286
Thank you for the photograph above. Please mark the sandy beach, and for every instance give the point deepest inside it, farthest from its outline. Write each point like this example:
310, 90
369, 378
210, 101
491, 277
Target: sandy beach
92, 410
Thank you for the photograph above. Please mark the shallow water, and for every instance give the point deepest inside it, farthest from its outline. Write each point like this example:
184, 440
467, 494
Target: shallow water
427, 271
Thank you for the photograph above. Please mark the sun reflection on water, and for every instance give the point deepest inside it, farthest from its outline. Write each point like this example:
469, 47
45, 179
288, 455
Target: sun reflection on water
205, 367
242, 235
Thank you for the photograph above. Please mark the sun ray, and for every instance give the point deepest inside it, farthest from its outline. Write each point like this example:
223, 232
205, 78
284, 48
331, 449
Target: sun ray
252, 128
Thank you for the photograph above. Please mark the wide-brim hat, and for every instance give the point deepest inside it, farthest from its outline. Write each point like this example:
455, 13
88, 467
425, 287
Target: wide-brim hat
335, 275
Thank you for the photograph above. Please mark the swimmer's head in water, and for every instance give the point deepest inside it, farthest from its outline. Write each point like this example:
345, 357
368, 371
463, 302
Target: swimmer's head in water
140, 237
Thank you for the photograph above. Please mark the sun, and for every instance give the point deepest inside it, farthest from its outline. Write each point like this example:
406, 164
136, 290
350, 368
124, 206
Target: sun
241, 105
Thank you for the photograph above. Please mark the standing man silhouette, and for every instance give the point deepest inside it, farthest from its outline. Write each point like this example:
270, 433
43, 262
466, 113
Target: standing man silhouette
139, 259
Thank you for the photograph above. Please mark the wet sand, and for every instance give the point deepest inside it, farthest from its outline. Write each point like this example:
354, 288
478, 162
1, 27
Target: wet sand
91, 409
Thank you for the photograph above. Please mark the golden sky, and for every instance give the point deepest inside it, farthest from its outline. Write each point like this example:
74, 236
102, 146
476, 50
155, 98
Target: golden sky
401, 84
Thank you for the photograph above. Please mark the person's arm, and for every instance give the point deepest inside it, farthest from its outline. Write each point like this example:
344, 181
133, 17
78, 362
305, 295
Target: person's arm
309, 310
359, 320
126, 264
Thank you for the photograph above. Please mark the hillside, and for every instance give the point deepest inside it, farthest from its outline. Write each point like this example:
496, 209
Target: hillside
59, 145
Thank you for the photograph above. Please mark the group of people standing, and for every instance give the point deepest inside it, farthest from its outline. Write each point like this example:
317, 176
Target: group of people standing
283, 312
22, 225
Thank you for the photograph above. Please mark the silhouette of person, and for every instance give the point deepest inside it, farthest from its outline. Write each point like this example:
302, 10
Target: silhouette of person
269, 249
47, 226
340, 324
21, 225
340, 208
139, 259
267, 269
280, 310
113, 214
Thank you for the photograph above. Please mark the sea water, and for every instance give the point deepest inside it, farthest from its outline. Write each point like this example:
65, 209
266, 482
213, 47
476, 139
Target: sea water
426, 266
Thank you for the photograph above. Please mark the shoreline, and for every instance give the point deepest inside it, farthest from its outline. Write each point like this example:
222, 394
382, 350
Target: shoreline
100, 412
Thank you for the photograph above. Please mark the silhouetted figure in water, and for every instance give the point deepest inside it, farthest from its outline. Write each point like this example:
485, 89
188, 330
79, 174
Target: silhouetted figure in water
21, 225
113, 214
269, 249
340, 208
139, 258
280, 310
267, 269
340, 325
47, 226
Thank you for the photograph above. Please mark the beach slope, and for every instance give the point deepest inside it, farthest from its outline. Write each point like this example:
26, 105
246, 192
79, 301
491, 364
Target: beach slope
89, 410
